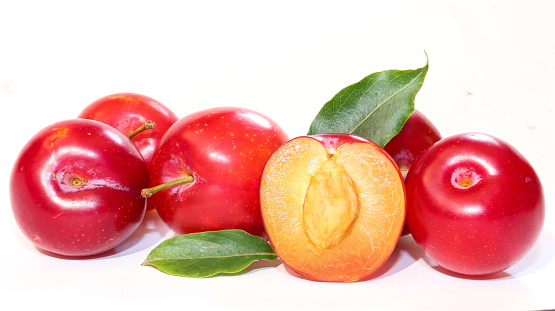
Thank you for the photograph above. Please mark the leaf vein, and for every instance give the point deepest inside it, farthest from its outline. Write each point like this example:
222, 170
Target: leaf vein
387, 99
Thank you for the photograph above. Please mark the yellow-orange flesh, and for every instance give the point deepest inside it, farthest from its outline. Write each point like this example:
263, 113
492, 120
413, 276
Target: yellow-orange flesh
332, 215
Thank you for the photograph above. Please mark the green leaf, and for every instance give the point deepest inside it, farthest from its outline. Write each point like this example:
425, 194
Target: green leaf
204, 254
375, 108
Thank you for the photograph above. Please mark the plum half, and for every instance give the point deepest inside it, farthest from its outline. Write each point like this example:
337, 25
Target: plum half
333, 206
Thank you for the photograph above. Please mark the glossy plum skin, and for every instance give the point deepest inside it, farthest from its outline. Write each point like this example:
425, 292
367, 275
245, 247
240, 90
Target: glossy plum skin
127, 112
75, 188
475, 204
417, 135
225, 150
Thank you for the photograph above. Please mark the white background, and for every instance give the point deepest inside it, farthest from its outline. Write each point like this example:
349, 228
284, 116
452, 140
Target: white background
491, 70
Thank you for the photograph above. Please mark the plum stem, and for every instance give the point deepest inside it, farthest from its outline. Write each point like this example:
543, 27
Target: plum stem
148, 192
148, 125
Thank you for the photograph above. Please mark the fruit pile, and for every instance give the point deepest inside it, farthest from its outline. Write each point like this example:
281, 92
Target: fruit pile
234, 188
79, 186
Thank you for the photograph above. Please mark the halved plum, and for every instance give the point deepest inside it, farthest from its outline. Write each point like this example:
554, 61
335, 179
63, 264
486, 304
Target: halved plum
333, 206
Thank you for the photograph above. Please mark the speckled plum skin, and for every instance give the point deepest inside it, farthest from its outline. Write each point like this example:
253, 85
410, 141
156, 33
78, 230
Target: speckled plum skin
75, 188
475, 205
225, 150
